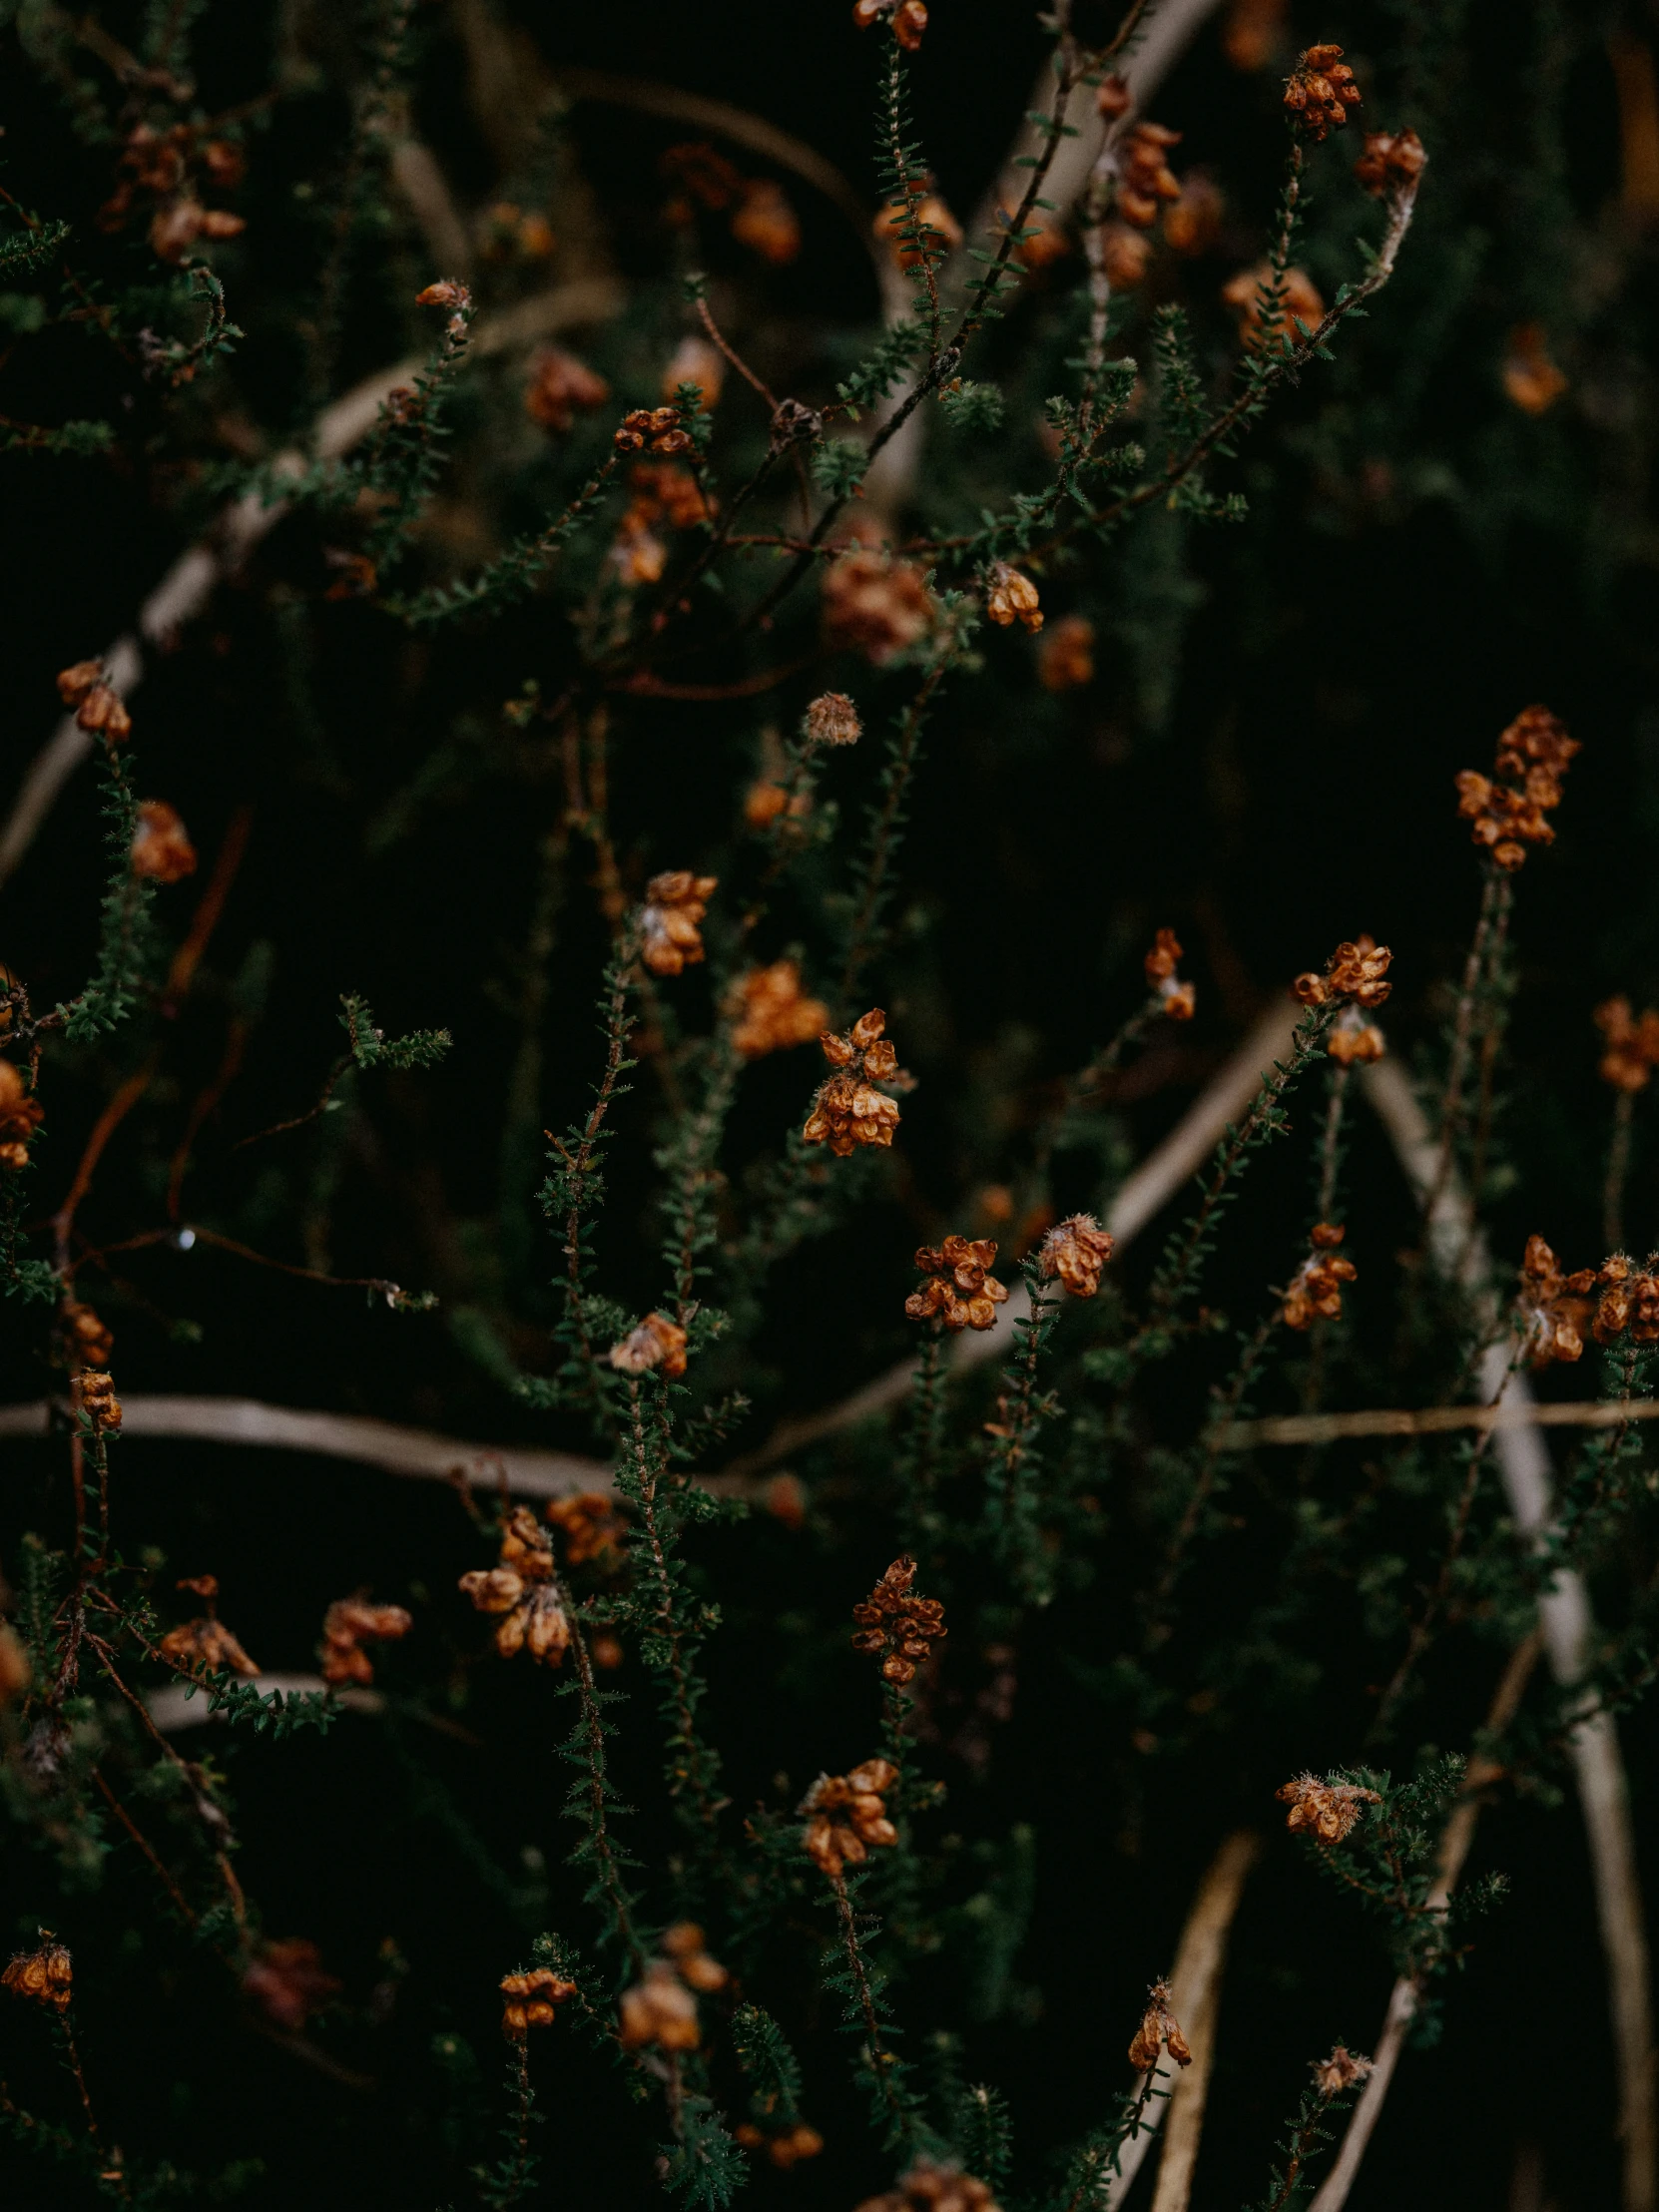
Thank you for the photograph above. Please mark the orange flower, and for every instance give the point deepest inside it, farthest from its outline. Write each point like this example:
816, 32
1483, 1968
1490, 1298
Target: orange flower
848, 1110
901, 1626
1508, 817
86, 1336
909, 19
1353, 1038
348, 1624
1180, 1000
656, 1343
665, 492
876, 603
561, 387
1549, 1307
206, 1642
931, 2188
772, 1013
694, 361
593, 1529
1391, 158
521, 1590
1316, 1289
1530, 378
675, 904
161, 849
766, 223
95, 1396
1356, 970
1344, 2069
957, 1292
1145, 179
1325, 1811
637, 555
45, 1974
1066, 660
1320, 91
530, 2001
786, 2149
652, 429
1252, 31
1075, 1251
832, 719
1300, 303
1632, 1044
100, 710
1159, 2031
21, 1114
1125, 254
1192, 224
1012, 598
848, 1815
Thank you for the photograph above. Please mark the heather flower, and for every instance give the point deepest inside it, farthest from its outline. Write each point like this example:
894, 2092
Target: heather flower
348, 1624
1355, 973
931, 2188
1343, 2071
95, 1396
561, 387
653, 429
1354, 1039
161, 849
832, 719
675, 904
766, 223
661, 2008
1320, 91
98, 706
1300, 302
1075, 1251
530, 2001
1632, 1051
592, 1528
694, 361
1532, 379
1325, 1811
1391, 159
1125, 255
772, 1011
786, 2149
1629, 1300
667, 491
1159, 2031
848, 1815
1179, 1000
520, 1589
875, 604
909, 18
656, 1343
1192, 224
956, 1292
21, 1115
44, 1974
205, 1644
1316, 1289
1066, 658
848, 1110
637, 555
1012, 598
1145, 179
1549, 1307
1534, 751
685, 1945
895, 1623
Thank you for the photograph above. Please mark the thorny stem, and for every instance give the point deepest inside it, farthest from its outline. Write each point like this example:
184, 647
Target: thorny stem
578, 1166
888, 824
909, 190
610, 1876
1496, 897
1331, 1152
1619, 1170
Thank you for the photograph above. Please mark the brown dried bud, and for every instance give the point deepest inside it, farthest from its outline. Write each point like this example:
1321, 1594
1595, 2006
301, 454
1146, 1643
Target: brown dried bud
846, 1815
1159, 2031
530, 1998
675, 904
75, 683
561, 387
1066, 660
1113, 98
931, 2188
660, 2009
1343, 2071
95, 1399
348, 1624
832, 719
766, 223
1320, 91
1325, 1811
102, 712
875, 605
957, 1292
1075, 1251
445, 293
1316, 1290
45, 1974
161, 849
694, 361
1391, 159
897, 1624
1179, 1000
592, 1528
848, 1111
1532, 380
1012, 598
769, 1012
656, 1343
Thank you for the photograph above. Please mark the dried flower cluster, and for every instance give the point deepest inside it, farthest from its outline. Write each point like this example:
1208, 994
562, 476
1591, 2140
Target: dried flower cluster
656, 1343
832, 719
1325, 1811
168, 168
661, 2008
1159, 2031
1391, 161
85, 686
348, 1624
561, 387
1316, 1289
1356, 972
908, 19
162, 849
1067, 661
1354, 1039
592, 1528
97, 1402
875, 604
1343, 2071
893, 1621
1532, 378
44, 1974
1629, 1300
931, 2188
848, 1110
758, 209
846, 1815
957, 1292
1145, 179
444, 293
530, 1998
1320, 91
787, 2148
21, 1114
1179, 1000
652, 429
1011, 598
772, 1012
1511, 809
1632, 1051
1550, 1307
1075, 1251
675, 904
521, 1589
205, 1644
86, 1339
